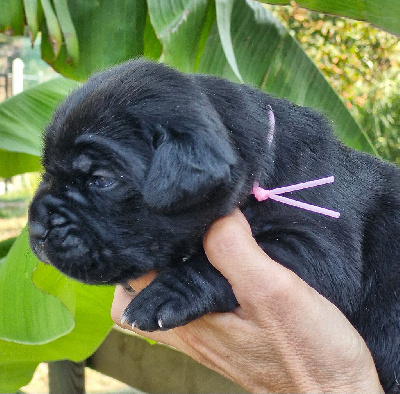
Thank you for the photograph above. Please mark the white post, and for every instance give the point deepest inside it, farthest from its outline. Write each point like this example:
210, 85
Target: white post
17, 82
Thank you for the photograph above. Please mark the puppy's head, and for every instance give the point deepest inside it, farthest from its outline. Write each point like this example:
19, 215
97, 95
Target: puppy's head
137, 164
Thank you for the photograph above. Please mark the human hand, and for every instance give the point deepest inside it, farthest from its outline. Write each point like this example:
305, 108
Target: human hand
284, 337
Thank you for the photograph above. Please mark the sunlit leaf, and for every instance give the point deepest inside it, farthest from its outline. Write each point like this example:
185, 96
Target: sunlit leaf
384, 14
68, 29
23, 117
33, 320
224, 18
108, 32
33, 15
27, 314
12, 17
55, 37
15, 372
179, 26
261, 47
21, 163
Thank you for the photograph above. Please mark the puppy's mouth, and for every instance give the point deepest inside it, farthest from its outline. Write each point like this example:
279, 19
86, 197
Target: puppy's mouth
37, 238
85, 259
39, 250
61, 247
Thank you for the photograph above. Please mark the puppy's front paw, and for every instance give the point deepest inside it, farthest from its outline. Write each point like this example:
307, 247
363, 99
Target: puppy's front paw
178, 296
158, 307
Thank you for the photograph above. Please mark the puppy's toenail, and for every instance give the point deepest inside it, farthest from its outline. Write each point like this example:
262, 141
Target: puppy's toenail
124, 319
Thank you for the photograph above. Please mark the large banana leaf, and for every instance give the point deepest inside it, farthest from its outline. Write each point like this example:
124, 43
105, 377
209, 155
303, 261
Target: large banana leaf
63, 320
24, 116
61, 23
22, 120
33, 17
237, 39
242, 41
259, 47
53, 320
108, 32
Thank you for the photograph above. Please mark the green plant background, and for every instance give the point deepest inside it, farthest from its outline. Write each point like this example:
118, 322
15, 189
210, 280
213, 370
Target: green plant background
44, 315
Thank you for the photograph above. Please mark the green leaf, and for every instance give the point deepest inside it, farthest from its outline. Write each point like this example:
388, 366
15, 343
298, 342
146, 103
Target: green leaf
384, 14
12, 17
30, 316
5, 246
14, 373
39, 316
23, 117
53, 27
33, 15
265, 54
35, 332
152, 46
21, 163
92, 324
109, 32
179, 26
224, 18
68, 30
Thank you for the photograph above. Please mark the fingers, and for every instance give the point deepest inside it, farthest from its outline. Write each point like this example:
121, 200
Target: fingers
229, 243
170, 337
231, 248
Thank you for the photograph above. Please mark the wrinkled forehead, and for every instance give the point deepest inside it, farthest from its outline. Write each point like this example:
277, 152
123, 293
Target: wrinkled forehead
89, 153
111, 109
141, 90
115, 115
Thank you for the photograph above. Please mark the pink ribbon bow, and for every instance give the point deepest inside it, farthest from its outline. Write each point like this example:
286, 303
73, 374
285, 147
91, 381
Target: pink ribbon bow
274, 194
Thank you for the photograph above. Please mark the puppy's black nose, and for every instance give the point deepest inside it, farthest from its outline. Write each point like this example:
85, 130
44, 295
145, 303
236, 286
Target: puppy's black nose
38, 231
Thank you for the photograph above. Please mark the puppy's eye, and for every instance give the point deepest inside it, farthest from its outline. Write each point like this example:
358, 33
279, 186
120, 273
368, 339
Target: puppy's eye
101, 181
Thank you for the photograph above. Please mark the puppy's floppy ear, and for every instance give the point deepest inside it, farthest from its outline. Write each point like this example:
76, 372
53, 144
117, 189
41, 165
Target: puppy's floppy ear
186, 167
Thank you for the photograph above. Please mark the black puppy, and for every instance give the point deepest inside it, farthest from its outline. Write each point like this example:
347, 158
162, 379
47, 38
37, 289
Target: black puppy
141, 159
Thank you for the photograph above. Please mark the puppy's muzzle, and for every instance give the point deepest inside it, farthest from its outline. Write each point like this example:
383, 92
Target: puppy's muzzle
37, 236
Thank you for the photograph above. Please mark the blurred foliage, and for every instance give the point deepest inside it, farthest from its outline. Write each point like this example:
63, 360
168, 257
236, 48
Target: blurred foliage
362, 64
36, 70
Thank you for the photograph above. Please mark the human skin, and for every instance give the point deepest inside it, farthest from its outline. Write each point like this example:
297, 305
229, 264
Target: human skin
284, 337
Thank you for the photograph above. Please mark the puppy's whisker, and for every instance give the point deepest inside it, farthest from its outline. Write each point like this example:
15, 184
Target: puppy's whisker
62, 266
87, 278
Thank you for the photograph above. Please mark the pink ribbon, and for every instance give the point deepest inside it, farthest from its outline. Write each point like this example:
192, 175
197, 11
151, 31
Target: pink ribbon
274, 194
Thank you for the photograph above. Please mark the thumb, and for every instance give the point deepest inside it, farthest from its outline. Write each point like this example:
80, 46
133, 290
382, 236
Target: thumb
231, 248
